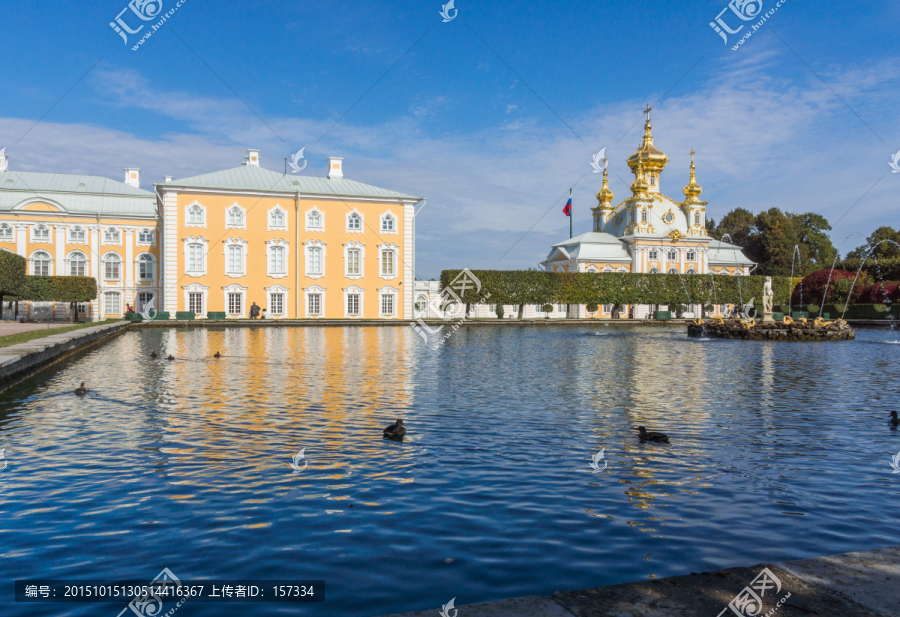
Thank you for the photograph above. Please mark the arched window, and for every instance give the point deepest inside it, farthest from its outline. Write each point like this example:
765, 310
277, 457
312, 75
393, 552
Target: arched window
421, 305
673, 271
696, 218
631, 216
77, 264
276, 218
652, 180
111, 235
111, 268
644, 215
40, 264
146, 236
76, 234
622, 269
195, 215
738, 272
42, 232
6, 232
146, 268
235, 216
354, 222
608, 269
673, 255
691, 271
388, 223
654, 271
314, 219
691, 256
592, 269
654, 254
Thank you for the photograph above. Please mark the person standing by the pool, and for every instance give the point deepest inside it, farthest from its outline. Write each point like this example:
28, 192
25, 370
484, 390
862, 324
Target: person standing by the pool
254, 311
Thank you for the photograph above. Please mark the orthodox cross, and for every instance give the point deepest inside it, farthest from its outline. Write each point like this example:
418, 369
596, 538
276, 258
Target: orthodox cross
647, 111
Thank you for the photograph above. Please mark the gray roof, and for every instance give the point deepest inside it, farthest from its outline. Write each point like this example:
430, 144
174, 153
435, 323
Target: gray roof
251, 177
594, 246
725, 254
77, 194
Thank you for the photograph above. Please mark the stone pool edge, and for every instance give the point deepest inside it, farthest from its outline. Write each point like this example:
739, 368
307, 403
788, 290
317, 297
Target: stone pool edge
22, 360
861, 583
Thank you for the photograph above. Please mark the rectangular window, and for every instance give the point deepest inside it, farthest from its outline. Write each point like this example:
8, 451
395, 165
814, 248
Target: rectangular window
315, 304
235, 261
276, 304
195, 258
353, 305
112, 269
387, 224
111, 305
195, 303
387, 304
235, 306
276, 260
314, 261
607, 308
77, 235
76, 267
353, 261
387, 263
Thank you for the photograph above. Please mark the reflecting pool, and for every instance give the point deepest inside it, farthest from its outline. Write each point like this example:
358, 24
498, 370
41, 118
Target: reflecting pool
778, 451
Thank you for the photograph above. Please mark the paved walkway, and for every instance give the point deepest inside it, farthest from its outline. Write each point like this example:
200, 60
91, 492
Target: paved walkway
861, 584
8, 326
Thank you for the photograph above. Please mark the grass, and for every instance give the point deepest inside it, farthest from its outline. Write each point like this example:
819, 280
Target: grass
24, 337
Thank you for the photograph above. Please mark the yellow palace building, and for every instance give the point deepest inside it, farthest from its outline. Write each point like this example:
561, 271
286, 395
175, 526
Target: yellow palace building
214, 244
648, 232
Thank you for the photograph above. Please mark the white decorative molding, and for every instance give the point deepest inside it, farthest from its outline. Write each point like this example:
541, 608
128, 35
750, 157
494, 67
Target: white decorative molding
321, 216
200, 289
388, 247
43, 238
169, 251
204, 248
270, 244
71, 238
235, 288
388, 291
70, 257
270, 226
409, 258
7, 232
187, 214
136, 264
111, 256
231, 212
31, 260
142, 240
309, 244
354, 289
394, 220
242, 245
358, 246
277, 289
111, 236
362, 222
315, 289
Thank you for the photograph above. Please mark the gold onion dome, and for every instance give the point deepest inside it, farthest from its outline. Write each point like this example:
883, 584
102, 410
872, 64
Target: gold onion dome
693, 190
605, 196
647, 154
639, 186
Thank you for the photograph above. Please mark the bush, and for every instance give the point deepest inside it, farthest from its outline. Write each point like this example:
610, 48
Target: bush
592, 307
878, 293
877, 269
59, 289
547, 308
12, 274
813, 286
499, 311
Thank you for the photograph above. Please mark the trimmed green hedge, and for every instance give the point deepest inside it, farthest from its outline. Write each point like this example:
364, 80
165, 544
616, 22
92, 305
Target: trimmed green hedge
182, 315
215, 315
58, 289
537, 287
12, 274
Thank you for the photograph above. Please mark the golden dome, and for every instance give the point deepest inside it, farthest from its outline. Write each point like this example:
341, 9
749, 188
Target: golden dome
639, 187
693, 190
605, 196
647, 154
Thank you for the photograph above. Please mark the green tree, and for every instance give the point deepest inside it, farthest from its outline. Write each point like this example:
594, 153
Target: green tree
12, 275
738, 224
811, 229
877, 245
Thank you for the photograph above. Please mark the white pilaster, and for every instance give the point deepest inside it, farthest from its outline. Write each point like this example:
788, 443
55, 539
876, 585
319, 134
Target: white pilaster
94, 231
129, 268
21, 239
408, 251
59, 264
169, 250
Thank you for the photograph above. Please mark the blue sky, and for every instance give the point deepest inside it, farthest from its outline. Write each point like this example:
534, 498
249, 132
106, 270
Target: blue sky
811, 129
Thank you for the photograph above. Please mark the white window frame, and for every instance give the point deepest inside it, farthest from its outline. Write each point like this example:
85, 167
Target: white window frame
691, 255
137, 268
653, 255
105, 260
137, 302
311, 244
270, 226
150, 242
359, 291
204, 248
70, 235
241, 245
362, 222
592, 269
385, 248
106, 296
423, 311
321, 214
12, 233
622, 269
643, 215
105, 241
354, 246
277, 289
201, 289
654, 271
671, 255
187, 214
395, 223
34, 237
691, 271
697, 218
388, 291
239, 289
235, 207
32, 260
672, 270
608, 268
270, 246
71, 258
315, 289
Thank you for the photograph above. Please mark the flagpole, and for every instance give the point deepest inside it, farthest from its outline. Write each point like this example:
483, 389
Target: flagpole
570, 214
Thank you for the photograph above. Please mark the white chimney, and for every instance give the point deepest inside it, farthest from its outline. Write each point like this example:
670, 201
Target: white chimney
334, 167
133, 177
4, 160
168, 178
252, 157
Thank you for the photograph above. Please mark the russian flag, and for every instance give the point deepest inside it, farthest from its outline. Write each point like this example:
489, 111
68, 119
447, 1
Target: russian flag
568, 209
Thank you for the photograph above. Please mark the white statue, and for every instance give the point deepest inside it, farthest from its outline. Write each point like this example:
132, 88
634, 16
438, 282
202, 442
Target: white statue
767, 296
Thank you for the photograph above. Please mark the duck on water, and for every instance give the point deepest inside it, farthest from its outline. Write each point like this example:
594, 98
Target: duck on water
395, 430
